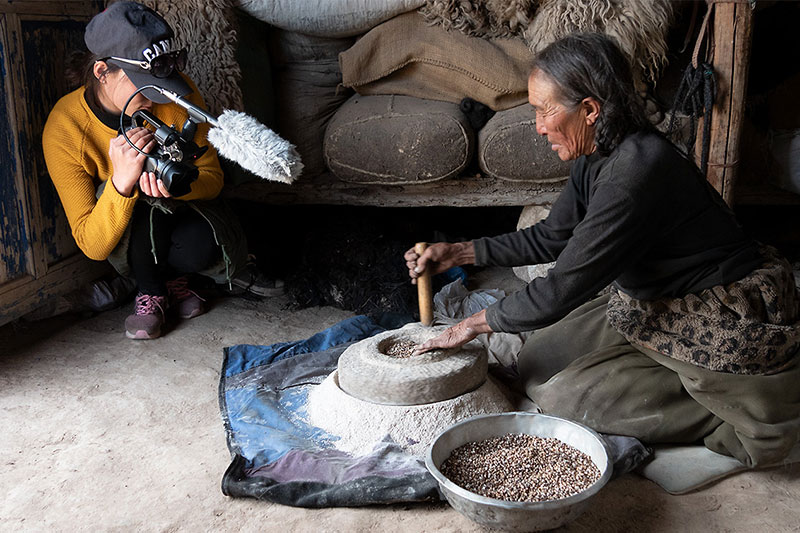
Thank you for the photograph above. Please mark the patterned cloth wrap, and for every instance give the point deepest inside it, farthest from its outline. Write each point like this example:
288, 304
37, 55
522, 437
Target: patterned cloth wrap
750, 326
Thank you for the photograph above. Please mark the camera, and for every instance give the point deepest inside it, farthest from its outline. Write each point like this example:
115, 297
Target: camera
172, 158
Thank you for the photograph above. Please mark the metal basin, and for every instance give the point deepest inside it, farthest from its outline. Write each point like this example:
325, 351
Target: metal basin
518, 516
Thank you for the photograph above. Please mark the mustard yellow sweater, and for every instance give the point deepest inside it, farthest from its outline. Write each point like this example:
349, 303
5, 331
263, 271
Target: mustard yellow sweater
76, 145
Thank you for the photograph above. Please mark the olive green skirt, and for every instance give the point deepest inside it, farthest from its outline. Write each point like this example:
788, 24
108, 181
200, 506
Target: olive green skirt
581, 368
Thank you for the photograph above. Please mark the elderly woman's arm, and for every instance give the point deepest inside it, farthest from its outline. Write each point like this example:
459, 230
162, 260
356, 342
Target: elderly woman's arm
620, 219
541, 243
457, 335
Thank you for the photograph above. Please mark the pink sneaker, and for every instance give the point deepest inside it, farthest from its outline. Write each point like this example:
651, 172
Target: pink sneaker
186, 302
147, 317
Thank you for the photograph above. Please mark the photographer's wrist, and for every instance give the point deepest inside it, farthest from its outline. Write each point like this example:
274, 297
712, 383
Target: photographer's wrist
126, 191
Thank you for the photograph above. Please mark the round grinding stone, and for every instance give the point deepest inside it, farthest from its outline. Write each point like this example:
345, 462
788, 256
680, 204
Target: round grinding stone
369, 371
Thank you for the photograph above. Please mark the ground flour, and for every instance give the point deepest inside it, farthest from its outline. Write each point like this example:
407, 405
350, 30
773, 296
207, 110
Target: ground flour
361, 425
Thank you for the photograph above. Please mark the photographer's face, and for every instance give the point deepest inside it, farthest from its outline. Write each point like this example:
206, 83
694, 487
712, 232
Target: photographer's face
115, 89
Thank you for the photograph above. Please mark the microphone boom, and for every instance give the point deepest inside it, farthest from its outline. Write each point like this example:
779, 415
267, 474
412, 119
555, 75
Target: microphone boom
242, 139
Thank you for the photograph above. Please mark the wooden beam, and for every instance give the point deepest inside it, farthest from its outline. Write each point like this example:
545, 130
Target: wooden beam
733, 26
465, 191
66, 8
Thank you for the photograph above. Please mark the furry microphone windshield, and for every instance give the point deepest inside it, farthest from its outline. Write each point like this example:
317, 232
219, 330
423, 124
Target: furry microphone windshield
244, 140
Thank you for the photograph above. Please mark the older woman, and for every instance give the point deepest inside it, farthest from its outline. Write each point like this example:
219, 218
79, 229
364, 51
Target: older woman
698, 337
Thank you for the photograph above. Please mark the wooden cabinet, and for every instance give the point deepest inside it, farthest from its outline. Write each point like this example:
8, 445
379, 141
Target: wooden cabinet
38, 256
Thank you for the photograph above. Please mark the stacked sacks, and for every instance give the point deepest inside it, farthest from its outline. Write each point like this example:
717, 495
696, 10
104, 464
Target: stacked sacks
405, 125
406, 56
304, 45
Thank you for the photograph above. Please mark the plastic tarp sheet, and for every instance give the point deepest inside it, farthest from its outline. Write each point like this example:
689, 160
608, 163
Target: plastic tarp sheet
278, 456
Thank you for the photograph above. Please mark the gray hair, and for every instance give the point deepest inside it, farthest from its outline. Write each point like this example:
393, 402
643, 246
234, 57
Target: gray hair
583, 65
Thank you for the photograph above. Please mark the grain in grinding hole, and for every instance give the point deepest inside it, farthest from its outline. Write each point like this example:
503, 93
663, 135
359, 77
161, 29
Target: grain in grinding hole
520, 468
401, 349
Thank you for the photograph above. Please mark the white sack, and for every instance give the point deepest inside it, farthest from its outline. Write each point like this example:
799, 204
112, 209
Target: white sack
531, 214
327, 18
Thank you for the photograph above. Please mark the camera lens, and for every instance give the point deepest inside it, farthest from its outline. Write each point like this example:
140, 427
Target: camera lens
177, 177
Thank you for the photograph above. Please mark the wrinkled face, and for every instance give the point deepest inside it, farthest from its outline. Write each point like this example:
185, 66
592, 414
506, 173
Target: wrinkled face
569, 131
116, 88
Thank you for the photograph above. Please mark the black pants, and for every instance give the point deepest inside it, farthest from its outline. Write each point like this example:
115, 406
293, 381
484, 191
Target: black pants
184, 243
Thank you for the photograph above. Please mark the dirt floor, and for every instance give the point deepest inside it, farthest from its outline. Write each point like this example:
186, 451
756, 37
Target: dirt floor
103, 433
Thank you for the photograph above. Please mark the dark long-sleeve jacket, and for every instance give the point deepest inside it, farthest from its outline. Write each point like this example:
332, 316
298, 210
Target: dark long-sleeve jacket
642, 218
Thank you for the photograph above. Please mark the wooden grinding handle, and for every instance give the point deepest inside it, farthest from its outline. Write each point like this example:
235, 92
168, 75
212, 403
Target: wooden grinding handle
424, 290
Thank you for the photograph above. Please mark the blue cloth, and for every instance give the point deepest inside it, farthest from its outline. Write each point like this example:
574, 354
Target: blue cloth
279, 457
243, 357
452, 274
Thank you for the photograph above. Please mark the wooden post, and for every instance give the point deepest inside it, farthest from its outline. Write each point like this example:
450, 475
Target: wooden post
733, 28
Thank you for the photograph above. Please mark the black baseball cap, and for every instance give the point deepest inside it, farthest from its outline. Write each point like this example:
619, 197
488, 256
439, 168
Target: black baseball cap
134, 31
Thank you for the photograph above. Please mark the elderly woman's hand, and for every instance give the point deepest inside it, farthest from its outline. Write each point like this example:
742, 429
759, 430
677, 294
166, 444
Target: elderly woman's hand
128, 162
438, 257
457, 335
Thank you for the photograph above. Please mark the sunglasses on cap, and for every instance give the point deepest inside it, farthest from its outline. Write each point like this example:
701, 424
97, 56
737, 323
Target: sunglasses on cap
161, 66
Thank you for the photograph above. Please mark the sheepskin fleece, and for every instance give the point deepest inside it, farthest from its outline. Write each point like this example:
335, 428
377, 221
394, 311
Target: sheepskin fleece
207, 27
327, 18
481, 18
638, 26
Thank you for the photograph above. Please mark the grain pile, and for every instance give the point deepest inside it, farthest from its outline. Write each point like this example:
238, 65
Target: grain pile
520, 468
401, 349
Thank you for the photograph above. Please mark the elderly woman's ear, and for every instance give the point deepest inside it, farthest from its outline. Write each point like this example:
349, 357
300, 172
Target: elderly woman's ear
591, 109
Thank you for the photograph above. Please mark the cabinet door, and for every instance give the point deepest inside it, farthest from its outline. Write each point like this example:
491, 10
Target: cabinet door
38, 257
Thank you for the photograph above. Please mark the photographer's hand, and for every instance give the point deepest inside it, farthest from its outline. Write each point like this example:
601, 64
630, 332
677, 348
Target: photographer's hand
126, 161
152, 186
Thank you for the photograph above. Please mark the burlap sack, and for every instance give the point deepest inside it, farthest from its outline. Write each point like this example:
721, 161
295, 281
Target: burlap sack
407, 57
510, 149
397, 140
